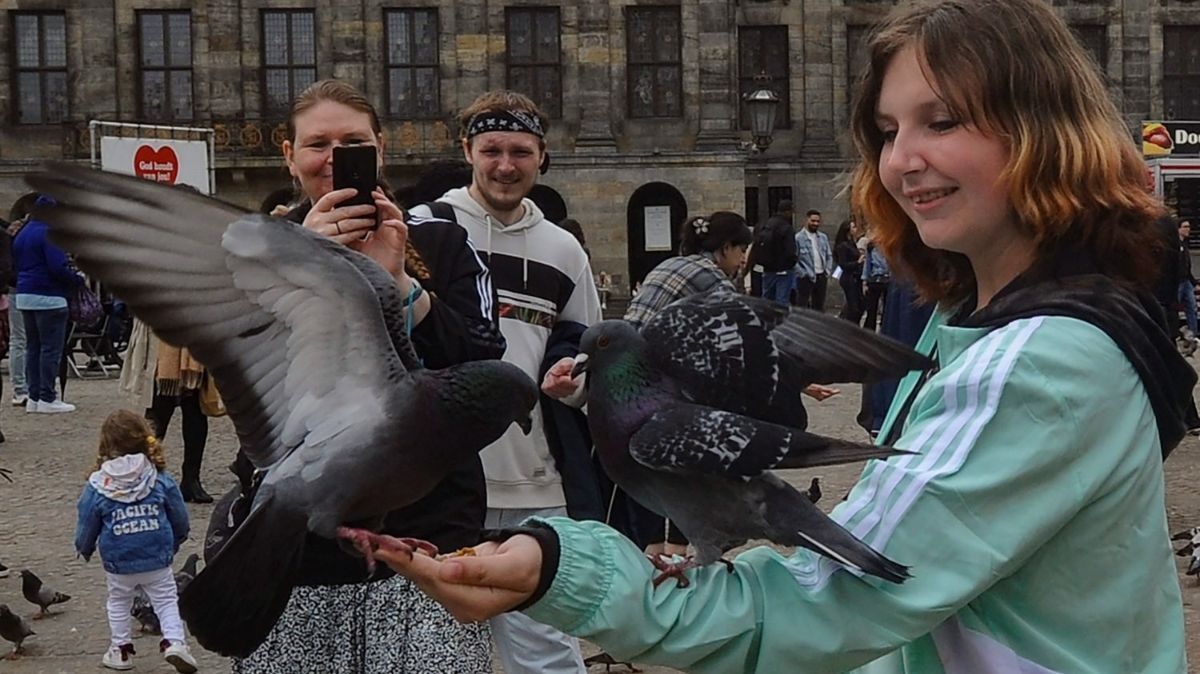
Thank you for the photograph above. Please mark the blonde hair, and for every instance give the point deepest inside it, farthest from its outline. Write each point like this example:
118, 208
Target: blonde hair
1013, 69
125, 432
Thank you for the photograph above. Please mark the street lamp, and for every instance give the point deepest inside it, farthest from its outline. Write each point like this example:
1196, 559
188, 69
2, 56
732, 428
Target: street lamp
762, 105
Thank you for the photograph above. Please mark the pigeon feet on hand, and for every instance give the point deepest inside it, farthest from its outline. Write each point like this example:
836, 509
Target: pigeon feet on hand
367, 542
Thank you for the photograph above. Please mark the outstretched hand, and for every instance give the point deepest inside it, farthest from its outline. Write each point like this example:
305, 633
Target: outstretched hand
487, 580
558, 382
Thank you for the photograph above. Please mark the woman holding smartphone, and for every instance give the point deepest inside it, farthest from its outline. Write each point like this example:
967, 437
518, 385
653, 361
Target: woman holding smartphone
339, 619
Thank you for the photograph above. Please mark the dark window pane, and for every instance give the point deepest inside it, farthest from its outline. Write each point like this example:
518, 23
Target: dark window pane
303, 41
400, 86
55, 37
28, 41
641, 39
154, 94
427, 91
547, 37
301, 79
641, 95
520, 78
29, 104
399, 41
181, 39
1181, 72
152, 40
667, 32
425, 36
55, 87
520, 36
278, 94
668, 92
275, 38
181, 94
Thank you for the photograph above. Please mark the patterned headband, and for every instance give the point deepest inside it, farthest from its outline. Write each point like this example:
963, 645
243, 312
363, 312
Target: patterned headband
505, 120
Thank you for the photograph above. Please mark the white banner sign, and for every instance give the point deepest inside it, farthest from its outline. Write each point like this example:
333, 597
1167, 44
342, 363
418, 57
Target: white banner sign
173, 162
658, 228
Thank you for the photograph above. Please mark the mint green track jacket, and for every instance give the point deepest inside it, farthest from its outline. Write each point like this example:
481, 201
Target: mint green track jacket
1032, 517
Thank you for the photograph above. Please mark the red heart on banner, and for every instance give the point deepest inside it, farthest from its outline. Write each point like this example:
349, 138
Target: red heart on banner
161, 166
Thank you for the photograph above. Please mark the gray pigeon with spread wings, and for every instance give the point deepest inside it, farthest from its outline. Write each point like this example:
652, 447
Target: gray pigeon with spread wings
305, 340
691, 414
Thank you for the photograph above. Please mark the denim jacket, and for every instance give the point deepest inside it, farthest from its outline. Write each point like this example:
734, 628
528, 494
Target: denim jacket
133, 537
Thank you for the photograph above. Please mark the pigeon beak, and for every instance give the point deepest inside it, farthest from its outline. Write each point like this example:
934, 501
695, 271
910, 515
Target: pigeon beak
526, 424
581, 365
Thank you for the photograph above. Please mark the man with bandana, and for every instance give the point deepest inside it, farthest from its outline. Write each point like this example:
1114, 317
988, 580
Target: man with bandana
547, 299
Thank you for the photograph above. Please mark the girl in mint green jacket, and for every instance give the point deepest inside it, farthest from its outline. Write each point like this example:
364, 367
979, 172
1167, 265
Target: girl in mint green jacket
997, 174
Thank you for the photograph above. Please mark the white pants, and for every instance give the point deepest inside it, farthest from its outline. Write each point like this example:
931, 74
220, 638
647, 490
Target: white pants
159, 585
524, 645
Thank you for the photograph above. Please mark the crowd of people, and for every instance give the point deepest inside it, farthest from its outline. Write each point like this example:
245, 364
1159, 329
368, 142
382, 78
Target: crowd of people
1000, 225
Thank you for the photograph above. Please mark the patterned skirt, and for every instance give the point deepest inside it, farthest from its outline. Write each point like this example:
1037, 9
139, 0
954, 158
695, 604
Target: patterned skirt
385, 627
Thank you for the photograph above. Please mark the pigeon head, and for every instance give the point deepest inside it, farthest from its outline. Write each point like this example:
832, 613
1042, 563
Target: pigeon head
491, 395
604, 344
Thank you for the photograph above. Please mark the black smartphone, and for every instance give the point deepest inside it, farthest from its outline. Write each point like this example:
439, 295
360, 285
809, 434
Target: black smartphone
355, 166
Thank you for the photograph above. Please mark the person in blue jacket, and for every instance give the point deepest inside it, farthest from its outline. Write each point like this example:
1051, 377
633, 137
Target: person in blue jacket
134, 511
44, 280
999, 176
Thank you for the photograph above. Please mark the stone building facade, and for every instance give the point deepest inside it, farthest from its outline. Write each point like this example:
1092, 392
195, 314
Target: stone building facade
646, 92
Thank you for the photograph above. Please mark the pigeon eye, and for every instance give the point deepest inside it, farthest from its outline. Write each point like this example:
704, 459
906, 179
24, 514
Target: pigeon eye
602, 342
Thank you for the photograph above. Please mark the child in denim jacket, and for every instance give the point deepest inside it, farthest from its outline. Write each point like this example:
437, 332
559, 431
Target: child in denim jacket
137, 515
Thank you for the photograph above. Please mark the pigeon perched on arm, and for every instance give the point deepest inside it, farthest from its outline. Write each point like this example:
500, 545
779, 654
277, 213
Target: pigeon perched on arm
305, 339
14, 629
39, 594
690, 415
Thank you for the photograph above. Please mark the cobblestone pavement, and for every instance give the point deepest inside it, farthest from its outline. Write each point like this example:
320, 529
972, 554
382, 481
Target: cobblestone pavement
50, 456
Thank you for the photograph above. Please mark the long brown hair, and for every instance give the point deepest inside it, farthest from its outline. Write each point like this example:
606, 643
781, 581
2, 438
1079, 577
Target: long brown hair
125, 432
1013, 69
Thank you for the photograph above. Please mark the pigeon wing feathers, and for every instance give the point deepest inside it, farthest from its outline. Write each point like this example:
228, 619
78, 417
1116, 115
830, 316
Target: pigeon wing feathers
692, 438
752, 356
275, 312
718, 349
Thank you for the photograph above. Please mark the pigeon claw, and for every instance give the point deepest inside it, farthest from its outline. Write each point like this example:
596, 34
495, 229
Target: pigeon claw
672, 569
363, 541
367, 542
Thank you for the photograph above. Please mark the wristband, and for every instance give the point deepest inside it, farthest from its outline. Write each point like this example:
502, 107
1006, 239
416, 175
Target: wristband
413, 295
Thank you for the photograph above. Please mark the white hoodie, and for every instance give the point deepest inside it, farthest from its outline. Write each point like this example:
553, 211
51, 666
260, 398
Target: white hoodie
543, 280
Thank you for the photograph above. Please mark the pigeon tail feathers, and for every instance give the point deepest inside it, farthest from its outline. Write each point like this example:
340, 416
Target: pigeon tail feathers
233, 603
809, 527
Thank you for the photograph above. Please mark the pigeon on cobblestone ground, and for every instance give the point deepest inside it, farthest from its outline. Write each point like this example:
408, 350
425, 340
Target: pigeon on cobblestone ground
1192, 548
691, 414
143, 611
40, 594
306, 341
14, 629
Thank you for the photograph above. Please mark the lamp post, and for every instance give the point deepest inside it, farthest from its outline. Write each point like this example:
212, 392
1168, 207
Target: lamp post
762, 105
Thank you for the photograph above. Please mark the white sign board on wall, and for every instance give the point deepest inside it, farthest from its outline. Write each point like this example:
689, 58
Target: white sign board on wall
658, 228
174, 162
